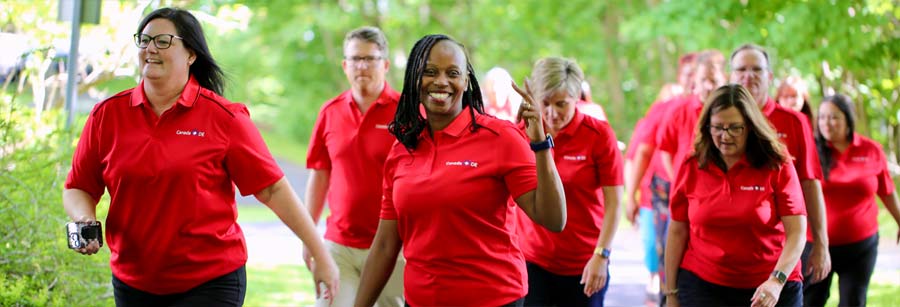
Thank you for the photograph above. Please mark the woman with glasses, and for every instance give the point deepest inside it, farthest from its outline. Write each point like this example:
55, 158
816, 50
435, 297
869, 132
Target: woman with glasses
738, 217
170, 152
855, 172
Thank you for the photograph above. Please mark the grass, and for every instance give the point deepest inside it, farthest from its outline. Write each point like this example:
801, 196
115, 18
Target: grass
879, 295
281, 285
255, 214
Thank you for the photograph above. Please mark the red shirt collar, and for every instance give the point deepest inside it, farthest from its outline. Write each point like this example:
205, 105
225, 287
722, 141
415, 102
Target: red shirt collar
189, 94
573, 124
459, 124
770, 107
855, 142
383, 98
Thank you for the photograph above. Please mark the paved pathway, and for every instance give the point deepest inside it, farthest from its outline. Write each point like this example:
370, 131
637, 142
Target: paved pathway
272, 243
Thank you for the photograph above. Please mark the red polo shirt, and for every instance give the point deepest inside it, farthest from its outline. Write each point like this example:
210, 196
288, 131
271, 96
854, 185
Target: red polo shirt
353, 146
736, 234
794, 131
640, 132
858, 175
588, 159
449, 197
172, 216
676, 132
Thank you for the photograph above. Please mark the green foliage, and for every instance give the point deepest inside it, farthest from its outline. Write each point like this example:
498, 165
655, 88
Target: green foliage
37, 267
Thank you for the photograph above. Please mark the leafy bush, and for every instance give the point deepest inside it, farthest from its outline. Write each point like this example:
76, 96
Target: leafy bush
37, 267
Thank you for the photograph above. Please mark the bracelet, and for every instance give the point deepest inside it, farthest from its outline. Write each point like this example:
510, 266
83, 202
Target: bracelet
671, 292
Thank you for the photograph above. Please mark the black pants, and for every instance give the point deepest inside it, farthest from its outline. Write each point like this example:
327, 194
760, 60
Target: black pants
516, 303
548, 289
693, 291
854, 264
226, 290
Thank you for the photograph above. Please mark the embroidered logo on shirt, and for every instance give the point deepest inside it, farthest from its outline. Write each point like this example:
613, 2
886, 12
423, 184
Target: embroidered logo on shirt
753, 188
381, 126
468, 163
860, 159
194, 132
575, 158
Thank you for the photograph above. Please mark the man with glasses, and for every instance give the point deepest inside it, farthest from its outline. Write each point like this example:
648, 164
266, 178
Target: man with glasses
750, 68
346, 152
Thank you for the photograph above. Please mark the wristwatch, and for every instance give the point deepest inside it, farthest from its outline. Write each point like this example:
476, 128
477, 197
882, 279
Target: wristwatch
546, 144
780, 276
603, 252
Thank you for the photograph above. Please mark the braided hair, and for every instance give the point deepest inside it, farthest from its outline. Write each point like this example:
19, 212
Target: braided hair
408, 122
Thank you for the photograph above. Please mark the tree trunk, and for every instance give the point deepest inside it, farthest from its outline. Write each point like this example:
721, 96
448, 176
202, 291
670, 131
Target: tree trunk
613, 73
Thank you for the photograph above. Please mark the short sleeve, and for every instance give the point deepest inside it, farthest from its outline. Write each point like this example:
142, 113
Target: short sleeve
86, 173
885, 182
637, 135
609, 164
517, 161
666, 138
247, 159
678, 200
388, 211
788, 194
808, 167
317, 154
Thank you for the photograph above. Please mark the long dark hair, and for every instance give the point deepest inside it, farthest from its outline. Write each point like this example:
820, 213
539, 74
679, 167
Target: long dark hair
763, 148
408, 121
844, 104
204, 68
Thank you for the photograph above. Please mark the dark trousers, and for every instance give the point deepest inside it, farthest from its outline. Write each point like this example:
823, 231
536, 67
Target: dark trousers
226, 290
659, 188
693, 291
548, 289
854, 264
516, 303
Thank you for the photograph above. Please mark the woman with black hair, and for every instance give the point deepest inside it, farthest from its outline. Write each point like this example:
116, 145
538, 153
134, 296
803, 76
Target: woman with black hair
446, 186
855, 170
170, 152
738, 217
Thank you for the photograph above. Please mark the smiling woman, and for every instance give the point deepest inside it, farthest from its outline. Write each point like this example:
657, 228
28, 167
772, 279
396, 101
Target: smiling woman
170, 152
447, 186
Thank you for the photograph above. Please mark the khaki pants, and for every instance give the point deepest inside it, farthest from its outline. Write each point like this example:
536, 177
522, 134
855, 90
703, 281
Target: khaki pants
350, 262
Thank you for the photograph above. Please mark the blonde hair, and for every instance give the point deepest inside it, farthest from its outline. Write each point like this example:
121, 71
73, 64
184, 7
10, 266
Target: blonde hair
553, 74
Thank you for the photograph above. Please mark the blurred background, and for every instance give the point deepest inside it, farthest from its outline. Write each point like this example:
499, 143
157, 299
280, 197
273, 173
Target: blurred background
283, 59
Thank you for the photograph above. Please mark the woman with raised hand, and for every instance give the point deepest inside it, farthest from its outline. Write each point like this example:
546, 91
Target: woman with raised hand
446, 186
571, 268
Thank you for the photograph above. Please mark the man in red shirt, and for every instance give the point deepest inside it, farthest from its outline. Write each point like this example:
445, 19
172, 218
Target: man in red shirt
346, 152
750, 68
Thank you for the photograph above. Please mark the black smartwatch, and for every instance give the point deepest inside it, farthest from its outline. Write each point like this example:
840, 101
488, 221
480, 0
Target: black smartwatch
780, 276
546, 144
602, 252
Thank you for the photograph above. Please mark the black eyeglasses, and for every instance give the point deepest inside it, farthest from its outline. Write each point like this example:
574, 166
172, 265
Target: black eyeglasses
162, 41
363, 59
734, 131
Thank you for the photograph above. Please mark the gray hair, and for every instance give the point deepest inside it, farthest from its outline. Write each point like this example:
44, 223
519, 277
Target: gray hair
553, 74
368, 34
